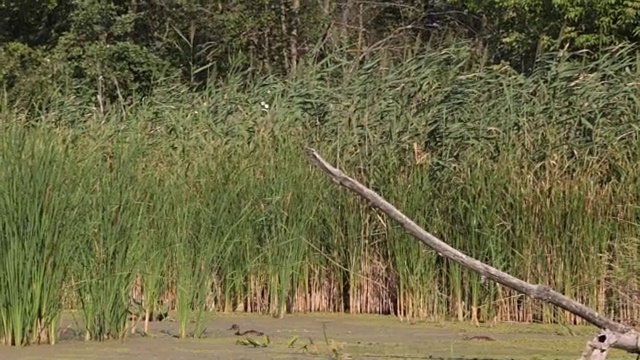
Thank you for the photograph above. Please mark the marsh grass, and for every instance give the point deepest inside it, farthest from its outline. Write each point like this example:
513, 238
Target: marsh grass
37, 204
208, 198
114, 213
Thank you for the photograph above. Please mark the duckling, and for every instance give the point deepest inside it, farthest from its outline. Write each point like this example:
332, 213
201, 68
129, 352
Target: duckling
475, 337
478, 337
248, 332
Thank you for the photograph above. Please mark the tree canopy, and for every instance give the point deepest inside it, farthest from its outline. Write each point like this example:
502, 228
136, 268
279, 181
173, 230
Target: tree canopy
133, 43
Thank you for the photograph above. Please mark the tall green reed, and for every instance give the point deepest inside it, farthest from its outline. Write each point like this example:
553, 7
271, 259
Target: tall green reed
38, 203
533, 174
210, 242
153, 270
108, 245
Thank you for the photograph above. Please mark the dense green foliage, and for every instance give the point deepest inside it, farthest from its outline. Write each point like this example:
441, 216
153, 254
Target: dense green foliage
156, 149
121, 48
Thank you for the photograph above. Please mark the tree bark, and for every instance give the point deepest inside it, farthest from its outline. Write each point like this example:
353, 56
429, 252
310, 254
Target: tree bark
293, 34
612, 334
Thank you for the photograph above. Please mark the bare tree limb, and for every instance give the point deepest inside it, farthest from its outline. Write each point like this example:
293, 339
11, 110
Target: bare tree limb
612, 335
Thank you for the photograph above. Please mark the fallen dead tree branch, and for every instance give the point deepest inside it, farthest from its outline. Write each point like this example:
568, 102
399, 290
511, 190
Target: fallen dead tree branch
612, 334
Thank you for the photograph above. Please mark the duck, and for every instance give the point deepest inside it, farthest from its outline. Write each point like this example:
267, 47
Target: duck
248, 332
478, 337
475, 337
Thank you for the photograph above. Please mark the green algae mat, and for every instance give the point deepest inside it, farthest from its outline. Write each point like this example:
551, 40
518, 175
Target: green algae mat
326, 337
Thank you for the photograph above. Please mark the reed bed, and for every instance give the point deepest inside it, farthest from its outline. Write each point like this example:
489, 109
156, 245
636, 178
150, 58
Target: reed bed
205, 201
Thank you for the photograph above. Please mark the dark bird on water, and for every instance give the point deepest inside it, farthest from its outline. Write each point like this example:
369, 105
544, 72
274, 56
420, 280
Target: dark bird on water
248, 332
